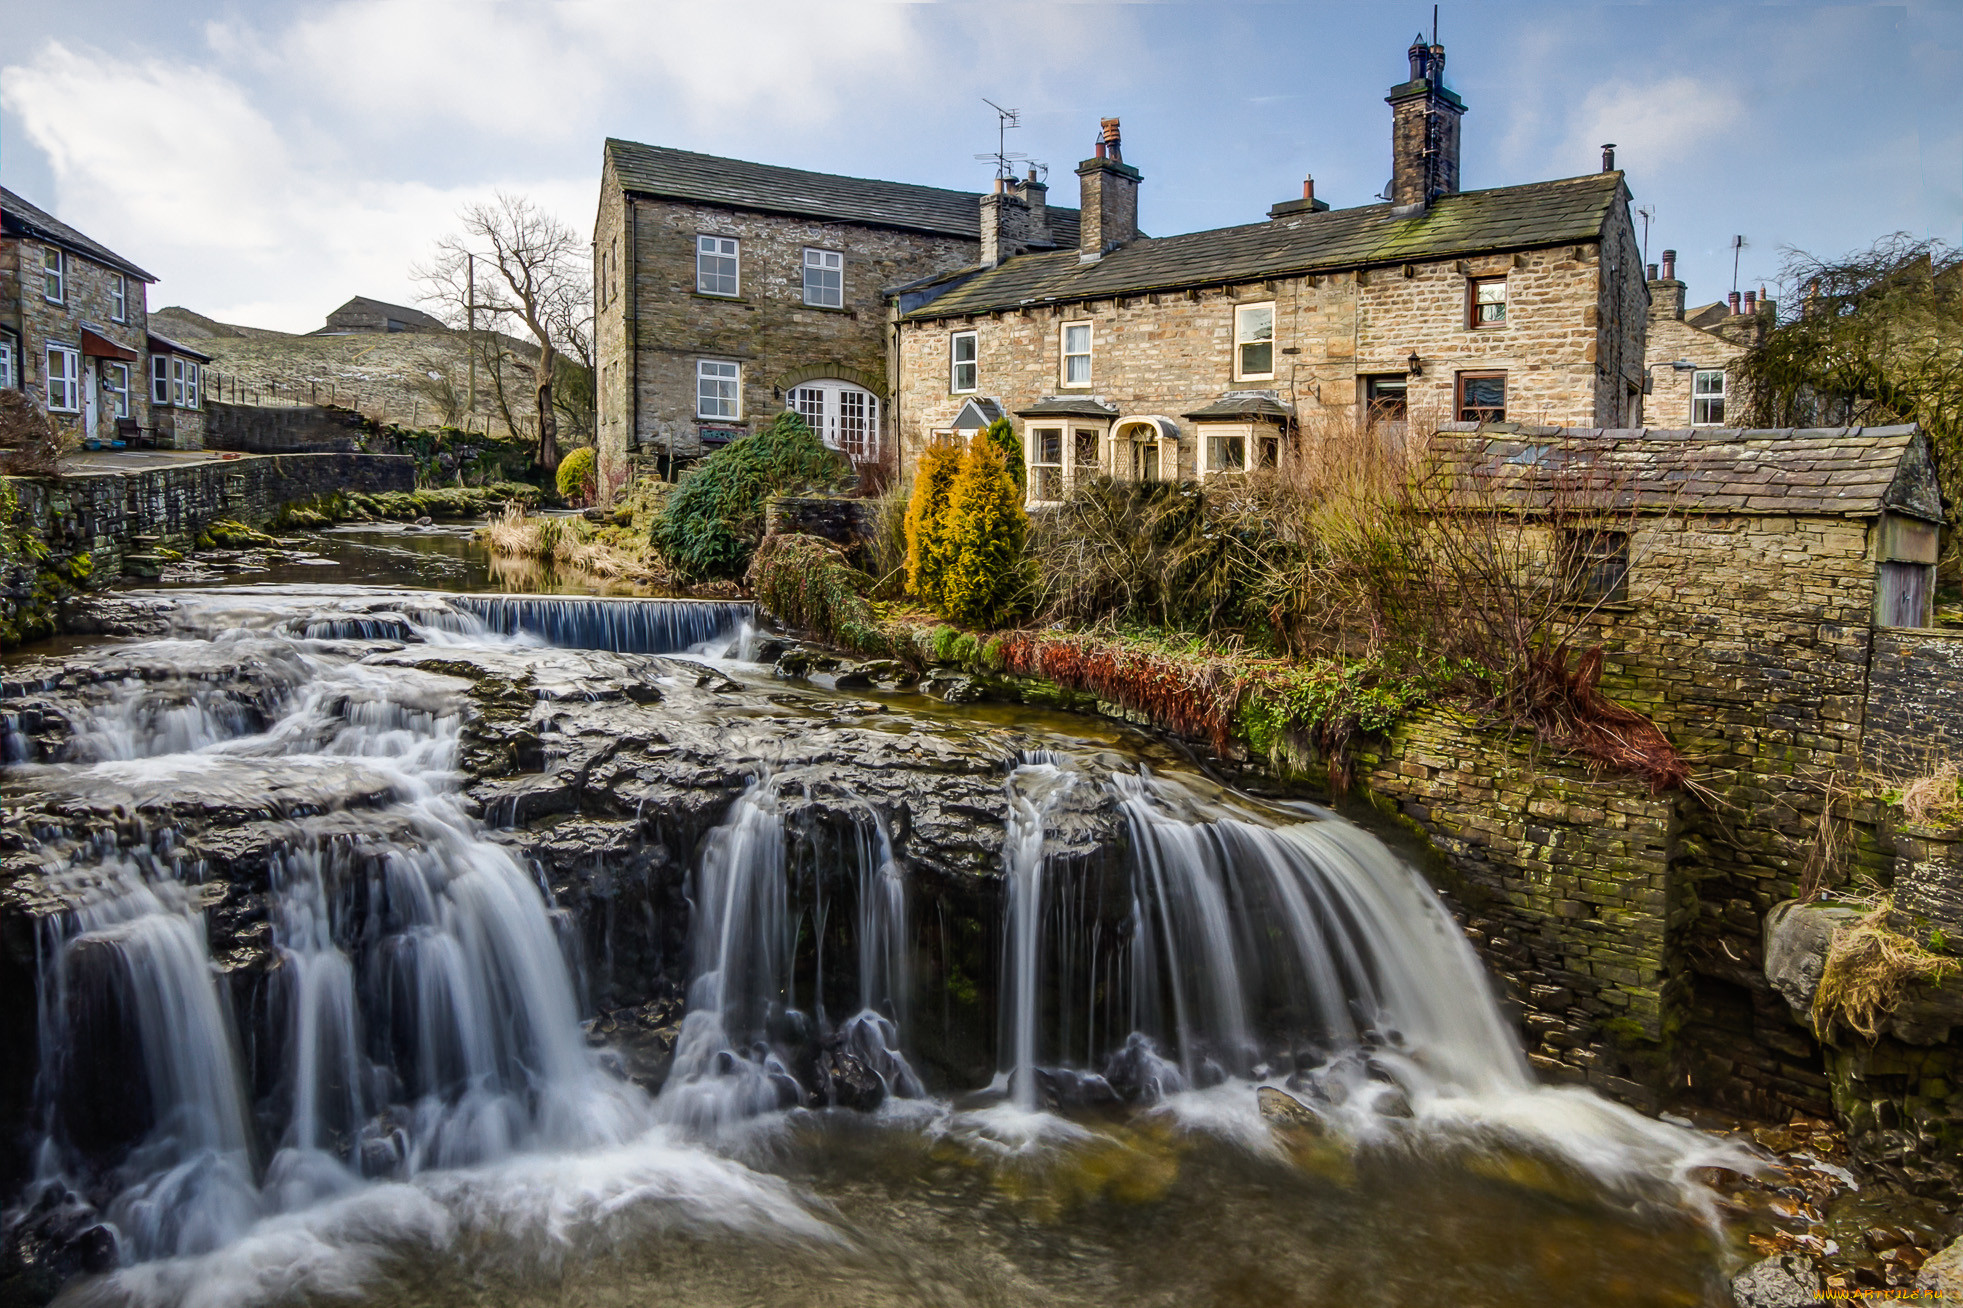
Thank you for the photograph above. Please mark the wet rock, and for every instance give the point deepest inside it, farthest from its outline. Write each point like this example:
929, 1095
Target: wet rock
1139, 1074
887, 674
1061, 1087
844, 1081
1941, 1277
952, 687
1391, 1101
57, 1236
1281, 1109
1796, 939
1782, 1281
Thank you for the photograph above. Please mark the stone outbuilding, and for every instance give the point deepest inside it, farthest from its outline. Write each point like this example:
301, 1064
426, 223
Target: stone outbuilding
361, 315
1204, 354
726, 291
73, 325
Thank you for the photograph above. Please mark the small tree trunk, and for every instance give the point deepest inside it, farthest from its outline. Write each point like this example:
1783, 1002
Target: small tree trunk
548, 422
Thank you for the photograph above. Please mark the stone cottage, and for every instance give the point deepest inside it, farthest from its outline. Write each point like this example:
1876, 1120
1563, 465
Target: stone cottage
1763, 596
1199, 355
73, 325
362, 314
725, 292
1692, 352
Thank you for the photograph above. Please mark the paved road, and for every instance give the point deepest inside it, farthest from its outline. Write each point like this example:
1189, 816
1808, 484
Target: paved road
87, 461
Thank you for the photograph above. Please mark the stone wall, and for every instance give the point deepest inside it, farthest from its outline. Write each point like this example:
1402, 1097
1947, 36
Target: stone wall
265, 429
847, 522
1570, 888
1168, 353
654, 327
99, 513
1915, 702
1672, 339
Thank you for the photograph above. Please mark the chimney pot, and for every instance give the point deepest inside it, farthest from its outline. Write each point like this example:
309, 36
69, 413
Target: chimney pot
1652, 272
1100, 148
1751, 301
1420, 55
1608, 157
1308, 188
1669, 265
1032, 176
1732, 301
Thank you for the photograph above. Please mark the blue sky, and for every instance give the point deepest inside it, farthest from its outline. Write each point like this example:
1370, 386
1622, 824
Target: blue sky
269, 160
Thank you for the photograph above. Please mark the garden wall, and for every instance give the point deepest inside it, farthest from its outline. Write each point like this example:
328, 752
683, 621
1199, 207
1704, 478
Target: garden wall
294, 429
1915, 701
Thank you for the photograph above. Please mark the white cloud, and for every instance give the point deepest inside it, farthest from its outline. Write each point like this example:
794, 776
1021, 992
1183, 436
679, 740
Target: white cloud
178, 170
1656, 123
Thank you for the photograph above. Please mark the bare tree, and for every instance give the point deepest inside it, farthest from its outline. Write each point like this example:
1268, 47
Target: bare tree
514, 263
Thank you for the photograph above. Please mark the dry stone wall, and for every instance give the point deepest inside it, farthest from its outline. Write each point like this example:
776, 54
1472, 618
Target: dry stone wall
1914, 702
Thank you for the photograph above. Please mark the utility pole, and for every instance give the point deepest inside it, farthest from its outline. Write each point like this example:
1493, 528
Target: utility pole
1646, 213
1737, 249
470, 317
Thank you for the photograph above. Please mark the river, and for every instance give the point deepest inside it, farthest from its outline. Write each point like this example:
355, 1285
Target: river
376, 941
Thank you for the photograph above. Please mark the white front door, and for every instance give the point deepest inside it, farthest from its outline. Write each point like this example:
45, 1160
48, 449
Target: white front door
846, 417
91, 397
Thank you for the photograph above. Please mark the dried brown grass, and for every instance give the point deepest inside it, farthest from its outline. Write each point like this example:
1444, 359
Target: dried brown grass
1934, 798
1868, 973
564, 543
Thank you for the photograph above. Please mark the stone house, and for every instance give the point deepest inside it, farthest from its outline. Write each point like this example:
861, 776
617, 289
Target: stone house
362, 314
74, 325
1204, 354
1764, 597
725, 292
1691, 351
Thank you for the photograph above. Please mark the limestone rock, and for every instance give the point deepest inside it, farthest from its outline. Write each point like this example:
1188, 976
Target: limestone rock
1284, 1110
1782, 1281
1941, 1279
1796, 939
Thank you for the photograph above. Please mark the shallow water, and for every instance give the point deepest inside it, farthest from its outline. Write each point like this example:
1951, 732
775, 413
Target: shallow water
1496, 1193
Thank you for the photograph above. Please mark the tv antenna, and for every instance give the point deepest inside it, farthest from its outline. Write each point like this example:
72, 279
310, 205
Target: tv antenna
1647, 213
1003, 158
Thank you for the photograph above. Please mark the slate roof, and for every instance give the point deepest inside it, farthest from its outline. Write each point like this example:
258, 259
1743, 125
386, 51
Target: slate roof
362, 304
165, 345
1505, 218
1853, 472
1067, 406
710, 179
1242, 406
19, 218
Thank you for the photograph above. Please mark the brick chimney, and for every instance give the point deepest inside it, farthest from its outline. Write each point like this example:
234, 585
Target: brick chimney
1109, 207
1666, 293
1424, 133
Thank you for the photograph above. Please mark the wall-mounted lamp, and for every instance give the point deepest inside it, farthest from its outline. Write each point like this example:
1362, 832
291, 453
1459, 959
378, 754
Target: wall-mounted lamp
1681, 365
1414, 365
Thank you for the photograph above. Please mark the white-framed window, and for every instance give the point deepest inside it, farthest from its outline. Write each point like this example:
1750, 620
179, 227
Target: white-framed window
1707, 397
846, 417
1076, 354
193, 374
824, 278
718, 389
1486, 302
964, 368
177, 382
119, 298
1045, 453
54, 266
159, 379
715, 265
9, 374
1254, 342
64, 379
116, 382
1223, 449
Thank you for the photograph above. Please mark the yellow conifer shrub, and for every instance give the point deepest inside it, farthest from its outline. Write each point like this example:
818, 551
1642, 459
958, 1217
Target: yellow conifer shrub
926, 519
987, 531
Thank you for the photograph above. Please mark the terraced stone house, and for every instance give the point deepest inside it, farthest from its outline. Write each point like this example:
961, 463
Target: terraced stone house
725, 292
1209, 353
1693, 352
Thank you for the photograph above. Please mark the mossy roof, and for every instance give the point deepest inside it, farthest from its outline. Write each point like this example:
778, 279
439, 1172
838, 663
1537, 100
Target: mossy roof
671, 174
1470, 222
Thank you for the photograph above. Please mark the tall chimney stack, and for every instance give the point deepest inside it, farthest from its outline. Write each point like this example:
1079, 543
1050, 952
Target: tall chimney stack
1608, 157
1424, 133
1108, 187
1666, 293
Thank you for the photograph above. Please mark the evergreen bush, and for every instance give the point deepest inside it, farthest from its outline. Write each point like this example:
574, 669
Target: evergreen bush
578, 474
926, 520
711, 523
1002, 434
987, 530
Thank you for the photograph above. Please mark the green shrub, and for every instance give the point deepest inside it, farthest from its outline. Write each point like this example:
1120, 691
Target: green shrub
987, 530
710, 524
941, 642
926, 520
994, 655
967, 650
806, 582
1002, 434
579, 472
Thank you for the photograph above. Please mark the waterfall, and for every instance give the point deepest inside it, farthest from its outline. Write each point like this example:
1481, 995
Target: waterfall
623, 626
1035, 788
744, 1045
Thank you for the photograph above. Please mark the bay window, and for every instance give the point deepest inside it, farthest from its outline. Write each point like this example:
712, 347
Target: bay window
159, 379
1045, 465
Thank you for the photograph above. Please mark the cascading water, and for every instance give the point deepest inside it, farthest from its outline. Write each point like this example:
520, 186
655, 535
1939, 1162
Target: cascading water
624, 626
1035, 788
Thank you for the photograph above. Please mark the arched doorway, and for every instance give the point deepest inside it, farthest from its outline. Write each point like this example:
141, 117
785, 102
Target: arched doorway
845, 416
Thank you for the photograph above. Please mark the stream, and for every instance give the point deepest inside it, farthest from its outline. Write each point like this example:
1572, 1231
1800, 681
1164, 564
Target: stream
375, 936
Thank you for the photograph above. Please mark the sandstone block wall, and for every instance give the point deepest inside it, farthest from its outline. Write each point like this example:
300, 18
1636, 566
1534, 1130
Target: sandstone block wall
653, 327
88, 297
1168, 353
1915, 702
1570, 889
302, 429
